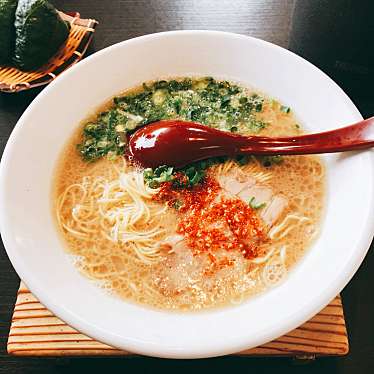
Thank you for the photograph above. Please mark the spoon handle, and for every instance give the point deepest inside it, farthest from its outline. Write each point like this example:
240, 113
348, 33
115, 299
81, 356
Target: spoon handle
353, 137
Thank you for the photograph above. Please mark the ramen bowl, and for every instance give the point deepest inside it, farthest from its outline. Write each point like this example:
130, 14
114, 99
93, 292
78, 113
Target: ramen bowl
36, 250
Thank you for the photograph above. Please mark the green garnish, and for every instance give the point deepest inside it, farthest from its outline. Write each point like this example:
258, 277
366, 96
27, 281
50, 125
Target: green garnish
193, 174
254, 205
255, 125
243, 159
218, 104
177, 204
196, 172
285, 109
268, 161
104, 137
159, 175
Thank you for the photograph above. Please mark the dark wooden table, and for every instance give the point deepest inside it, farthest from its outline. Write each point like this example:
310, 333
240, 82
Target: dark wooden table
334, 34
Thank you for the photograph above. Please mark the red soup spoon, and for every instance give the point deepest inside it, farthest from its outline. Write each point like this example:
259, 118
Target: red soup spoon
178, 143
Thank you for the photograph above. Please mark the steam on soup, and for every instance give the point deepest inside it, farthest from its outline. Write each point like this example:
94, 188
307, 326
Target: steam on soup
210, 234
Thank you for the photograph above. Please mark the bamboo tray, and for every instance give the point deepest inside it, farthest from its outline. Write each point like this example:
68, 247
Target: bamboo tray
35, 331
81, 33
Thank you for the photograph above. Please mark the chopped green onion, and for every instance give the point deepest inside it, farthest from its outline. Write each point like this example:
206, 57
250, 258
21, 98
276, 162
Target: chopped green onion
177, 204
254, 205
285, 109
268, 161
160, 175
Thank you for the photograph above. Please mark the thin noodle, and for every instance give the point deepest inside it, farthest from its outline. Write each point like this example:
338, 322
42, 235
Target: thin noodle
119, 209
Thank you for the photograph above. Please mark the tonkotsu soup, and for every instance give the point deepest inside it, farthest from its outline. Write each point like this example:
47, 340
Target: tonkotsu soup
211, 234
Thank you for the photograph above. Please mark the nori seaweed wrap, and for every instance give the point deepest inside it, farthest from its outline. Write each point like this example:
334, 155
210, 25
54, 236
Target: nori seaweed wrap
40, 32
7, 31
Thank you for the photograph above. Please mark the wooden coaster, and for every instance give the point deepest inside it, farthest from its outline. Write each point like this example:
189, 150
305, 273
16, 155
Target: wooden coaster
35, 331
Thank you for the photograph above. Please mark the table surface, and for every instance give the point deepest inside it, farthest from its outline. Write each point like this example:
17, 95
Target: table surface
309, 27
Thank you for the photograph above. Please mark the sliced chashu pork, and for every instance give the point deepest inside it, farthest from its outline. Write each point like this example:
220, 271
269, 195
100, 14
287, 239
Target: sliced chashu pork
234, 183
260, 194
274, 210
179, 270
245, 187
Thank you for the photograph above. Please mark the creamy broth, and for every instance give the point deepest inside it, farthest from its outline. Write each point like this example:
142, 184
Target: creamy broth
167, 269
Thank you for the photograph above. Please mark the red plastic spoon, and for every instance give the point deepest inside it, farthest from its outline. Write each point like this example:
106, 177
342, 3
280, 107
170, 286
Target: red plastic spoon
178, 143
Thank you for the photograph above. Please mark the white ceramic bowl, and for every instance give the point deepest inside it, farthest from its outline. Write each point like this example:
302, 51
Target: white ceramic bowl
36, 251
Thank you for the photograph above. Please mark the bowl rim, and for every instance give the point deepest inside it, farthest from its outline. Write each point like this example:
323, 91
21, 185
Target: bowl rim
216, 348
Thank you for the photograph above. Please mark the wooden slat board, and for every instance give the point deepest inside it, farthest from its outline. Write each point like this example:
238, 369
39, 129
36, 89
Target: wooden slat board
35, 331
